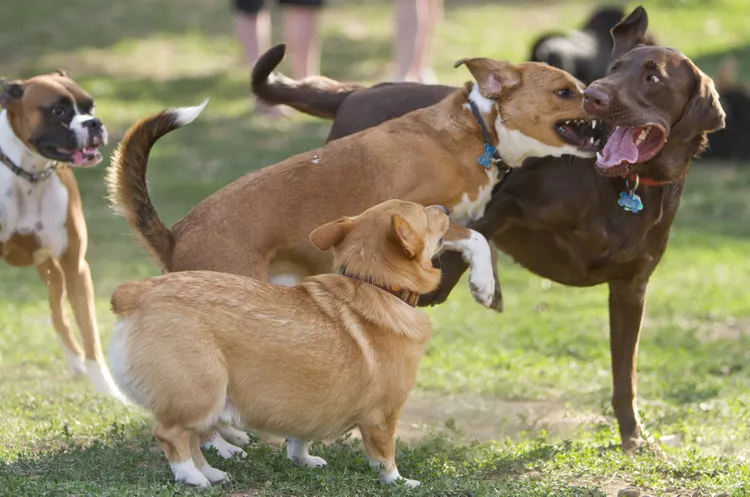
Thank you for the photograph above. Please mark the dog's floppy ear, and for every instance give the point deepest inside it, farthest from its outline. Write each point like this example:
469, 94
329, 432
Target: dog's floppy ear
406, 237
703, 112
492, 76
331, 234
11, 91
630, 32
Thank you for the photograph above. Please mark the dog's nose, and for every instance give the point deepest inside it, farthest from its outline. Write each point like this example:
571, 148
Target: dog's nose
595, 99
93, 124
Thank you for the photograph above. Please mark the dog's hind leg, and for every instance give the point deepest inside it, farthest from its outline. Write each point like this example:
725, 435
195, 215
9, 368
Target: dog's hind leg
176, 442
212, 474
51, 273
298, 451
379, 443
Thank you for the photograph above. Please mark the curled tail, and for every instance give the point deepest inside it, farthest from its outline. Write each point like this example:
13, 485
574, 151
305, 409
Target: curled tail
315, 95
126, 179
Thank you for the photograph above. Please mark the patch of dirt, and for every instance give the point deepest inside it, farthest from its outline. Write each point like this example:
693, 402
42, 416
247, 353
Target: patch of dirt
613, 485
484, 418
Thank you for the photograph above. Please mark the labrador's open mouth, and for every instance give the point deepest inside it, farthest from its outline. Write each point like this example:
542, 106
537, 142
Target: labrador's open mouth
627, 146
586, 134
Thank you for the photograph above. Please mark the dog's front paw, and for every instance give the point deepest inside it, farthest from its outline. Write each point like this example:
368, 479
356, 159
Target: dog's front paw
214, 475
310, 462
394, 477
233, 435
224, 448
187, 473
482, 286
411, 483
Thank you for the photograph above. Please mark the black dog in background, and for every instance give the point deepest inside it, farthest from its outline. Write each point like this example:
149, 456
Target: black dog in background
586, 53
732, 142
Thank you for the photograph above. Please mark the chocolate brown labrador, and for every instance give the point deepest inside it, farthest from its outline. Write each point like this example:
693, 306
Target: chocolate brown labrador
583, 222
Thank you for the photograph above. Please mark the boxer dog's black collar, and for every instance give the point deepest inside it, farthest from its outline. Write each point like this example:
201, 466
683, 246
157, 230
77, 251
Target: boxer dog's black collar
23, 173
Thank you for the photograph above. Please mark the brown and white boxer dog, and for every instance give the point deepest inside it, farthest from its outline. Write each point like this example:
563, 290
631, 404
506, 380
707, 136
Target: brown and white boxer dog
47, 122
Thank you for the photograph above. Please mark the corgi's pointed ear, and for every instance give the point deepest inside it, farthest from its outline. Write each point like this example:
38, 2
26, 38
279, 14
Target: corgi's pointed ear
331, 234
406, 237
492, 76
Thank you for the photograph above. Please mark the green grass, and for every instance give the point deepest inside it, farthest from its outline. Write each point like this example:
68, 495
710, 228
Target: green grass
512, 404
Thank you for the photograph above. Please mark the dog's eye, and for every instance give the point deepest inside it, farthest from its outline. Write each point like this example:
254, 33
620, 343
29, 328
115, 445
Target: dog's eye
58, 111
651, 78
565, 93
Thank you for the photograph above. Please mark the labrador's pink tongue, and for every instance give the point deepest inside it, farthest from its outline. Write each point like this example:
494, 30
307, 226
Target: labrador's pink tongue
620, 147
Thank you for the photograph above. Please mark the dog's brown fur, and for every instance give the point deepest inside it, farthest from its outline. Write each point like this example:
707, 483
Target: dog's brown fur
257, 226
558, 218
310, 361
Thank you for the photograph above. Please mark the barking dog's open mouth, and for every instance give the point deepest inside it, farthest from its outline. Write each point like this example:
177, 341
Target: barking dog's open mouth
586, 134
628, 146
85, 157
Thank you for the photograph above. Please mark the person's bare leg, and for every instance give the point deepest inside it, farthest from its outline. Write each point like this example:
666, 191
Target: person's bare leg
405, 39
433, 14
301, 35
253, 31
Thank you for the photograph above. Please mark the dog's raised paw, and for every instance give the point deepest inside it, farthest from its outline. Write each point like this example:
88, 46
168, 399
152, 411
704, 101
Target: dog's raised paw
483, 289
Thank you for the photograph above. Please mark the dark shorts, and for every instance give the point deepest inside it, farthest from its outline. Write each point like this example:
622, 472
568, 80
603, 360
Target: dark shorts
254, 6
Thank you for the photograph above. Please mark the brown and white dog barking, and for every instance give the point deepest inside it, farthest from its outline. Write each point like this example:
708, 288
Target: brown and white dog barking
46, 121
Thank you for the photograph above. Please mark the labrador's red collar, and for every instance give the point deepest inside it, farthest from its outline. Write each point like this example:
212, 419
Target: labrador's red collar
634, 178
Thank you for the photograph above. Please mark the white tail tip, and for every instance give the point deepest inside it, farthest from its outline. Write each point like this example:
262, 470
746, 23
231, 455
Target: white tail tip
186, 115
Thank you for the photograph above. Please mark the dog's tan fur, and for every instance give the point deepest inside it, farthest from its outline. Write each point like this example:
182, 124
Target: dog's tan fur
309, 362
60, 261
258, 225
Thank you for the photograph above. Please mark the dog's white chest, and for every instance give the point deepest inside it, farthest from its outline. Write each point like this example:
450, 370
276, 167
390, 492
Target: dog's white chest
40, 209
468, 209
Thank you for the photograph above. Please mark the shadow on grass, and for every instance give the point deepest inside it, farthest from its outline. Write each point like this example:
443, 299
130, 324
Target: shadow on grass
119, 464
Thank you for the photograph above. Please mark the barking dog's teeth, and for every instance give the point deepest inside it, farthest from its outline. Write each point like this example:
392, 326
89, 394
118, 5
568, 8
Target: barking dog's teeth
591, 140
599, 157
642, 136
593, 124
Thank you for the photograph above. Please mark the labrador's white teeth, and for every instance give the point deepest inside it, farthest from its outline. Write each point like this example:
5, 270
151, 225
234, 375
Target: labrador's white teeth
643, 135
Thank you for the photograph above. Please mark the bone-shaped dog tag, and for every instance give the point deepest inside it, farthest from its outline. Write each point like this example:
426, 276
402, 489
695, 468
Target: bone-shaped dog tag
631, 202
486, 158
